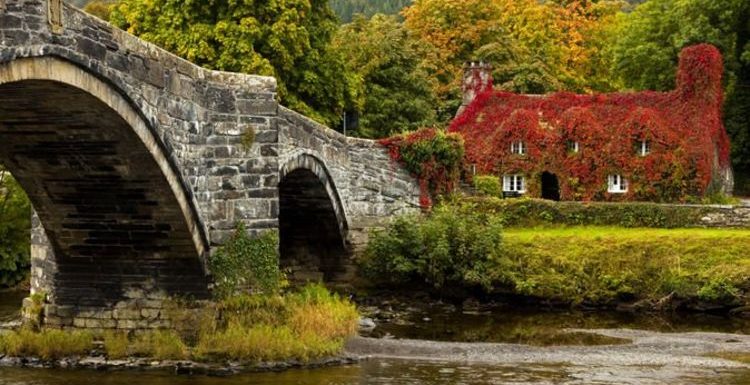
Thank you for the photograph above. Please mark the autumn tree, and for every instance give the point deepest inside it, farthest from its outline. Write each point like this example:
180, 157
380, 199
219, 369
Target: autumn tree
289, 40
393, 94
536, 47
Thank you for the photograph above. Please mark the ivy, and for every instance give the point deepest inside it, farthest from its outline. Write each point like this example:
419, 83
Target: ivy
247, 262
433, 156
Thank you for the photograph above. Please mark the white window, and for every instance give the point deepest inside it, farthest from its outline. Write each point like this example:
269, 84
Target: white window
573, 146
617, 184
518, 148
644, 148
514, 183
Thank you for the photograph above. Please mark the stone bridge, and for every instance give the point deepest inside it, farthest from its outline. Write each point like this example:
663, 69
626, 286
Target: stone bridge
139, 164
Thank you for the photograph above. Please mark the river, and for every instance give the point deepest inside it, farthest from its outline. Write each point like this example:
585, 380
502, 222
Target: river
497, 326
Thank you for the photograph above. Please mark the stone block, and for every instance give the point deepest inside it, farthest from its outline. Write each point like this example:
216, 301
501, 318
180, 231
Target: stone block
126, 314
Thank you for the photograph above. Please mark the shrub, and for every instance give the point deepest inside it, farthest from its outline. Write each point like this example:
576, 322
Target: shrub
49, 344
450, 247
526, 212
488, 185
246, 262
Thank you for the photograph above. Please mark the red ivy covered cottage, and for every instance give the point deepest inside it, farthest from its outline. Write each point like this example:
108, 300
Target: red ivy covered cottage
657, 146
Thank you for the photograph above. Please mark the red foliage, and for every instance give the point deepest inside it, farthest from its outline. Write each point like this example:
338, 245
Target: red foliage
683, 127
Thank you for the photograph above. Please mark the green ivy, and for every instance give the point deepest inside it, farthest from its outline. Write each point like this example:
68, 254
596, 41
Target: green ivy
245, 262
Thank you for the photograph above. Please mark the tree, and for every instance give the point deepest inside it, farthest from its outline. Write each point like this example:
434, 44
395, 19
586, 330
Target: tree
15, 225
288, 40
393, 94
347, 9
650, 38
100, 8
536, 47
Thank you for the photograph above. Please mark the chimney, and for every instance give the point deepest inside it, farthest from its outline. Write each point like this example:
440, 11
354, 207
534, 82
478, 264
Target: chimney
477, 79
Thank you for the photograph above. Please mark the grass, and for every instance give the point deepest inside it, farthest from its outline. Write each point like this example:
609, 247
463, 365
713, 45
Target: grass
602, 264
309, 324
306, 324
46, 344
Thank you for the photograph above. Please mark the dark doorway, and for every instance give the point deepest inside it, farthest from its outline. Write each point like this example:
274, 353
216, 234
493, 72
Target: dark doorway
550, 187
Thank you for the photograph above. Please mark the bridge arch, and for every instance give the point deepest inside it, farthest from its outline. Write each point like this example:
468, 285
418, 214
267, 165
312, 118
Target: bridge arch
312, 220
115, 209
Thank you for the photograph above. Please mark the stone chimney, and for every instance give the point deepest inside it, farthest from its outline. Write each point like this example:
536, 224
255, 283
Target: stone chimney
477, 79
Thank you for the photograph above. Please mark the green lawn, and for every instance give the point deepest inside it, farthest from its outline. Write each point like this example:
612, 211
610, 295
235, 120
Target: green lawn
604, 264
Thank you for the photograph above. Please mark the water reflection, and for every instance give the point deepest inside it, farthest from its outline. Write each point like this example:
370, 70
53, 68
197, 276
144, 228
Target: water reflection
538, 327
392, 372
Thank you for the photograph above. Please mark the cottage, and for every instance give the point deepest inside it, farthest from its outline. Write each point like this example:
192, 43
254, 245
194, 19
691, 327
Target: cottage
656, 146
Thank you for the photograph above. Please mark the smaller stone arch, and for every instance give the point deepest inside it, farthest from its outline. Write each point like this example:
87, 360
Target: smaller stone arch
312, 221
312, 163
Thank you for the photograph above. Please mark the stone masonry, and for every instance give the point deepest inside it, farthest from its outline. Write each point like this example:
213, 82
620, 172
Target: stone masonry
134, 161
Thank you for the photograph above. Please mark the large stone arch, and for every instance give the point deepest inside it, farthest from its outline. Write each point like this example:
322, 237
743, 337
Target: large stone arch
114, 206
312, 219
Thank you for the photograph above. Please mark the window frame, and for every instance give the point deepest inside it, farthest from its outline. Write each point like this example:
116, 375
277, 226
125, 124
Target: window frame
518, 147
617, 184
644, 148
514, 183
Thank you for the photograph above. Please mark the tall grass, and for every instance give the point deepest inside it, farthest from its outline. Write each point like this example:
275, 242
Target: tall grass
46, 344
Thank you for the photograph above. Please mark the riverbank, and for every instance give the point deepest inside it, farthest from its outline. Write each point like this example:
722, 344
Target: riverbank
303, 327
645, 261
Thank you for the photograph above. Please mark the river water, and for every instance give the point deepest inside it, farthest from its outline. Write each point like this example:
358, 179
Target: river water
505, 326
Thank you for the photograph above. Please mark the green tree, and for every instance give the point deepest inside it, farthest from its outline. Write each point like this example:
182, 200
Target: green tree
286, 39
347, 9
393, 94
15, 225
100, 8
650, 38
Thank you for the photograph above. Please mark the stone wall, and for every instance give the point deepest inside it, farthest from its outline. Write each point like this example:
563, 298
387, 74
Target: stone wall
720, 216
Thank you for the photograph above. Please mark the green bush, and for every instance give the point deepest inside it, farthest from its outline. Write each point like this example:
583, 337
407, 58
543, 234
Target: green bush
488, 185
449, 248
246, 262
526, 212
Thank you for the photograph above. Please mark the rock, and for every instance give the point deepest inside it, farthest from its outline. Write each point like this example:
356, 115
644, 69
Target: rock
366, 324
